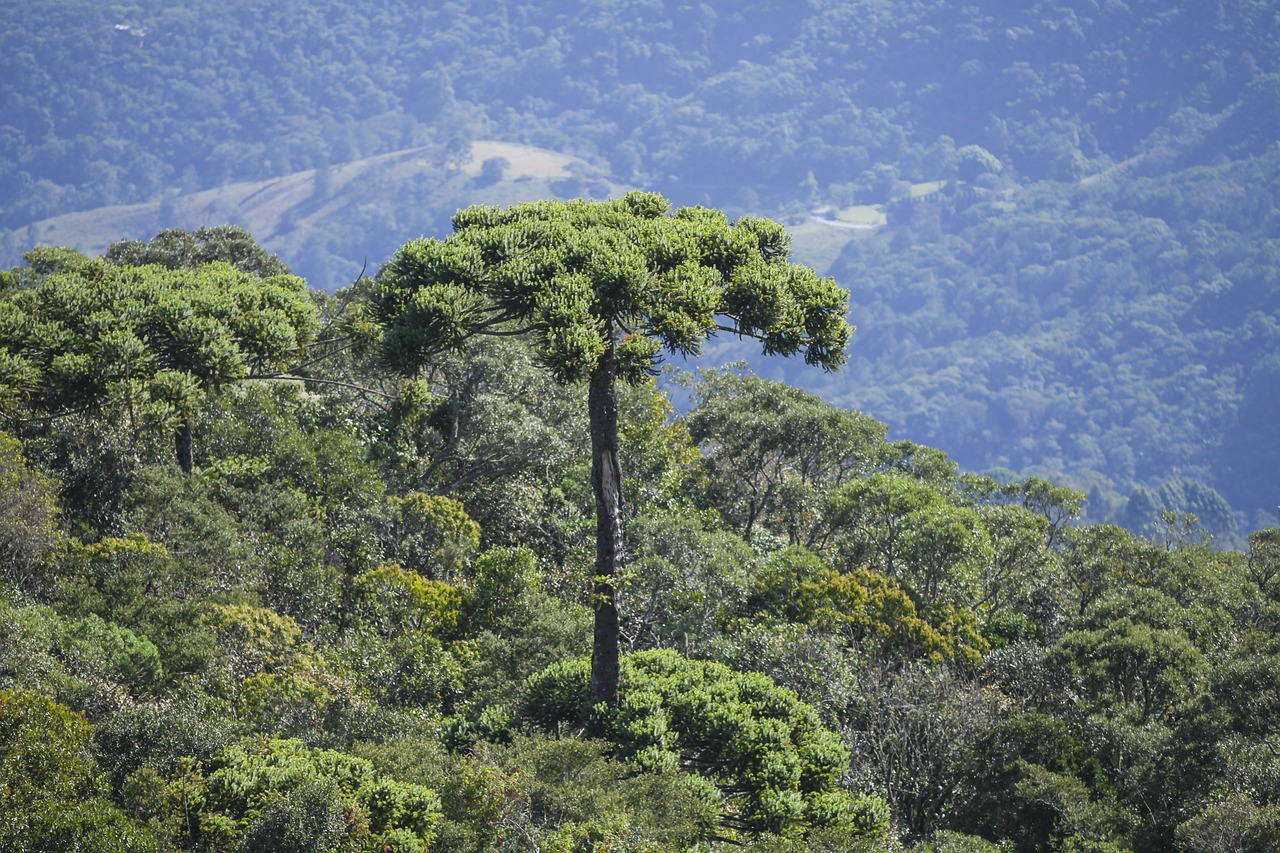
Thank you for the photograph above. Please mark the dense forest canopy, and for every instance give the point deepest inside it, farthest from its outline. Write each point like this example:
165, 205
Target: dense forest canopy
113, 103
1010, 580
1116, 332
361, 618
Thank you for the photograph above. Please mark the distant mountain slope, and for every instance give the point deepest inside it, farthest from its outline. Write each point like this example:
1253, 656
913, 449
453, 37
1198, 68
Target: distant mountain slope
1121, 333
725, 103
325, 222
1113, 326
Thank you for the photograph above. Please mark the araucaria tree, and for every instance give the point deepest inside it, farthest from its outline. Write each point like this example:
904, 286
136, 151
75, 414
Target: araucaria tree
143, 344
606, 288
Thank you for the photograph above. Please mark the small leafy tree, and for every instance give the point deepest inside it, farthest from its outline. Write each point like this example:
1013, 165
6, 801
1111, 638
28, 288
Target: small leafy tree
605, 288
910, 531
777, 769
773, 450
279, 795
177, 248
53, 793
28, 516
432, 534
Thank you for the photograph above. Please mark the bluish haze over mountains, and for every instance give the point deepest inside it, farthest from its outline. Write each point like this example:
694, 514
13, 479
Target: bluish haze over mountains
1069, 259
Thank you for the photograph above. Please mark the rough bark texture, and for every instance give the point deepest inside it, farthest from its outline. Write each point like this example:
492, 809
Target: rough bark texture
182, 445
606, 482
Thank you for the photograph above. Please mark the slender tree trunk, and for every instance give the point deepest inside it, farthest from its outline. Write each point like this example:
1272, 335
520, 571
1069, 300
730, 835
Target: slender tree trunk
182, 445
606, 482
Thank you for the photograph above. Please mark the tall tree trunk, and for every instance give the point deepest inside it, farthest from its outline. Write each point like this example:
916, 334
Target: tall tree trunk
182, 445
606, 482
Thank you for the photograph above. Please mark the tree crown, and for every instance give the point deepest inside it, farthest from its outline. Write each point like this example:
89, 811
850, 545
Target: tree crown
584, 276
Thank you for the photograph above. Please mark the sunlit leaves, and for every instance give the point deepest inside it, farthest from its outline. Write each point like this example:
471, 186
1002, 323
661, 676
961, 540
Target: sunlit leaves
395, 600
864, 609
567, 271
82, 333
777, 767
280, 795
432, 534
51, 786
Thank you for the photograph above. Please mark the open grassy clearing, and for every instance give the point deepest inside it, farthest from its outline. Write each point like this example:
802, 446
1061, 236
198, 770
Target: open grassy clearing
525, 161
863, 214
818, 243
300, 202
927, 188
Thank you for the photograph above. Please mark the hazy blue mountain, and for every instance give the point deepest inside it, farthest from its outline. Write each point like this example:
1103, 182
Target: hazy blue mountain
1092, 293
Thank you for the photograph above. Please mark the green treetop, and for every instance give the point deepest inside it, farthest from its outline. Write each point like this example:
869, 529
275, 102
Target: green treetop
141, 342
606, 288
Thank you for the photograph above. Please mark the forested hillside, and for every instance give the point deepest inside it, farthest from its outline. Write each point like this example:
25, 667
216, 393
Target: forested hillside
114, 103
260, 592
1124, 332
1091, 296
